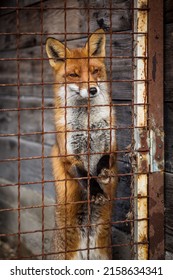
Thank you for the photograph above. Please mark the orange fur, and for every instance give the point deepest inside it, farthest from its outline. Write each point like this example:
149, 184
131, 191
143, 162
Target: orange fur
74, 67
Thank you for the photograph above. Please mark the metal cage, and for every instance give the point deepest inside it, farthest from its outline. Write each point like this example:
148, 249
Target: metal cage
134, 58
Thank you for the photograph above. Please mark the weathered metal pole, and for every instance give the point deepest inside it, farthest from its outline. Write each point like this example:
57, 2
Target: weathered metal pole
141, 150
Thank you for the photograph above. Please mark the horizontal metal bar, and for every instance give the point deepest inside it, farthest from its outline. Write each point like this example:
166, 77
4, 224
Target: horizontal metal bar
62, 204
49, 157
53, 107
54, 83
80, 106
71, 8
71, 33
56, 253
2, 135
71, 227
126, 151
53, 181
75, 58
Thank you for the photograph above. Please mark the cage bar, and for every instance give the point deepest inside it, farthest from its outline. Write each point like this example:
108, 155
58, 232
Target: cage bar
140, 131
155, 98
146, 128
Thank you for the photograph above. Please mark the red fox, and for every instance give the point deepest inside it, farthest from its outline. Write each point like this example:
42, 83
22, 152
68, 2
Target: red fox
84, 161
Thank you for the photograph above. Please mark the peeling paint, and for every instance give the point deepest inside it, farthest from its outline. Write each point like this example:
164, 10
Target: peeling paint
141, 133
156, 147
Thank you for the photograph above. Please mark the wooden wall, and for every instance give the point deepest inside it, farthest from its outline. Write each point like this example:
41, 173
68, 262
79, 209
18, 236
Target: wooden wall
32, 70
169, 126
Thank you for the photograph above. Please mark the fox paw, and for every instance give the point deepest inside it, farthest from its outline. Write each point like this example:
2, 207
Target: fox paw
105, 176
100, 199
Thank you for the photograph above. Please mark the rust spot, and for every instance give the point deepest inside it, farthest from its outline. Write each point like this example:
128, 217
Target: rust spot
143, 5
143, 238
159, 148
143, 140
156, 238
143, 165
154, 62
141, 21
157, 142
153, 203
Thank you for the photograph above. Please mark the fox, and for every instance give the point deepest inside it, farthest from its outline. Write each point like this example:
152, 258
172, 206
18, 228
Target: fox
84, 155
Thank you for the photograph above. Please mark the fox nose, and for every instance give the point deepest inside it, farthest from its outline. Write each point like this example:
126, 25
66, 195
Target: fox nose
93, 91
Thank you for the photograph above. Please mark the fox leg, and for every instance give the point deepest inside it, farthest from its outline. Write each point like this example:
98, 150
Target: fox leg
106, 162
106, 172
86, 182
100, 188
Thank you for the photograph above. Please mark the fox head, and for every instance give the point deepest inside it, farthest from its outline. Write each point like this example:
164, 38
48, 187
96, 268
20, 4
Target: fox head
80, 73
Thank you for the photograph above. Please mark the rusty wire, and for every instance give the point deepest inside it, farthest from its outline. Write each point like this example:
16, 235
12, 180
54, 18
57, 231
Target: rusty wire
43, 107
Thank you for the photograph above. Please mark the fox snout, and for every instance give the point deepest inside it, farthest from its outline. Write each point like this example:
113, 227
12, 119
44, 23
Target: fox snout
90, 92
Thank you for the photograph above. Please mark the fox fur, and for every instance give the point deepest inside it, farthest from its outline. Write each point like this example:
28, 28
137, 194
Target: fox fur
84, 160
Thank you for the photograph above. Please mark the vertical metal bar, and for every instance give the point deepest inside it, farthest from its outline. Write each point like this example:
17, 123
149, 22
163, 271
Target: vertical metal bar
140, 130
18, 101
156, 176
88, 141
66, 134
132, 137
111, 110
42, 81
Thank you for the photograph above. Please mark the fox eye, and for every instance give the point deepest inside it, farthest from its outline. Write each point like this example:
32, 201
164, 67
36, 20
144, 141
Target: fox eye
74, 75
96, 70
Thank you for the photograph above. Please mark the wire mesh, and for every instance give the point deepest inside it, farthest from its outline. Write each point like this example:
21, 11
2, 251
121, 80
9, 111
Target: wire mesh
27, 129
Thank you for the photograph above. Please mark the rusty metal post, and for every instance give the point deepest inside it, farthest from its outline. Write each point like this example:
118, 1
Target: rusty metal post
155, 97
141, 149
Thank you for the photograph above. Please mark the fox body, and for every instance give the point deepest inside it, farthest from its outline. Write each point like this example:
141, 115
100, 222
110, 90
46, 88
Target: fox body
84, 164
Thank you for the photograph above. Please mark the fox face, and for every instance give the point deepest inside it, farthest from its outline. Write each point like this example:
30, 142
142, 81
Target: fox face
80, 73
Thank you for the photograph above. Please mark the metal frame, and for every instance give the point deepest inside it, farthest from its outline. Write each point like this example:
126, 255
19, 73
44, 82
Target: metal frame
148, 130
155, 98
141, 149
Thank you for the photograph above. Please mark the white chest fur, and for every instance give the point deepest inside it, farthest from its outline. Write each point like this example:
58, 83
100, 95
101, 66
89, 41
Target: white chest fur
89, 126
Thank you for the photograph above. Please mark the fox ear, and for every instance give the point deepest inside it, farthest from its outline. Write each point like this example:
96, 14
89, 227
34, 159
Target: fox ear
96, 43
56, 51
